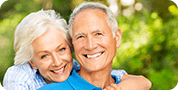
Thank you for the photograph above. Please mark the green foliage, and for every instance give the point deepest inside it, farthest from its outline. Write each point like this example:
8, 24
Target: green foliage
149, 44
7, 27
63, 7
149, 47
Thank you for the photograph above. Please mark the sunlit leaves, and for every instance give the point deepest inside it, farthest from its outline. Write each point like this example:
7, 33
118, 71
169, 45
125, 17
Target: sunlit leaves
163, 79
77, 2
149, 47
154, 15
173, 9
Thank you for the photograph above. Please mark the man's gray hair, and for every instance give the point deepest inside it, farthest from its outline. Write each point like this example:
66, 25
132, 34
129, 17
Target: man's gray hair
31, 27
111, 20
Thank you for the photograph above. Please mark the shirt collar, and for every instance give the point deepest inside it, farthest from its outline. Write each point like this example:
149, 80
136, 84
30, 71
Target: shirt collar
77, 82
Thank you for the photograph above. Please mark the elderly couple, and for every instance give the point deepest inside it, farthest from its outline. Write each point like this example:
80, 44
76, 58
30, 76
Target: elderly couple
43, 45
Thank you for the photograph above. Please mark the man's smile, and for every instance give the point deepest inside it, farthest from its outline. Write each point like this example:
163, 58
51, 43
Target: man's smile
94, 55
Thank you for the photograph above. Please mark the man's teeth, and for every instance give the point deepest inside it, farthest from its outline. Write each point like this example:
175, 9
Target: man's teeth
58, 71
93, 56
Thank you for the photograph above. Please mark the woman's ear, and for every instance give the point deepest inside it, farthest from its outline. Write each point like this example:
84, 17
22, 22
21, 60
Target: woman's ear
33, 65
118, 35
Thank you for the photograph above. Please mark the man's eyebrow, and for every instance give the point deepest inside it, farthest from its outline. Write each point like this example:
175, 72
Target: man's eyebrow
80, 33
98, 30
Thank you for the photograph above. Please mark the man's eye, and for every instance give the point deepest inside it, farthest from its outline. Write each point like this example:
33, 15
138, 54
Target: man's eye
99, 34
61, 50
44, 56
80, 37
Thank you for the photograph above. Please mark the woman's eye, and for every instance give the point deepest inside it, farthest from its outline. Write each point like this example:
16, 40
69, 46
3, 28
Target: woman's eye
44, 56
61, 50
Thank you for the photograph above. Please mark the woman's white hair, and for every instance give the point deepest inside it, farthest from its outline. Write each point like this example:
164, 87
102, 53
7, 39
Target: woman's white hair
111, 20
30, 28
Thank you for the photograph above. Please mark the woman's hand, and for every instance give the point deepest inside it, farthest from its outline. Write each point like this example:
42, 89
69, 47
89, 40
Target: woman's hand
131, 82
113, 87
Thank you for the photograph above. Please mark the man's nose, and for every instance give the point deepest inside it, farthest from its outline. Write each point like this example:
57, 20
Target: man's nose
90, 43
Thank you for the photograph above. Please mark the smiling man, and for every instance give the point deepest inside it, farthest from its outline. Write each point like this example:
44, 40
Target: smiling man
95, 46
95, 37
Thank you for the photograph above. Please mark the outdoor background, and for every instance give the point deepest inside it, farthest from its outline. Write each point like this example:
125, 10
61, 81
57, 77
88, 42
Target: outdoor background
149, 35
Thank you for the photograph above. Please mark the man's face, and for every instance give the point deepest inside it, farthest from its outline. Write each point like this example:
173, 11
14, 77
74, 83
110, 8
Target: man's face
93, 41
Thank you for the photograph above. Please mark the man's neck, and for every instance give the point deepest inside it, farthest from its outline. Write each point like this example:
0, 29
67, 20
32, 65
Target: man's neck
101, 78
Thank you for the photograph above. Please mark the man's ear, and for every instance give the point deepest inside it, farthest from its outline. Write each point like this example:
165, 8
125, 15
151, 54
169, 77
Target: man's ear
118, 35
33, 65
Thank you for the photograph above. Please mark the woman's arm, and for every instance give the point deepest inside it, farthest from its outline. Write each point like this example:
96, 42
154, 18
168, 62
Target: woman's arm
13, 79
131, 82
22, 77
15, 86
134, 82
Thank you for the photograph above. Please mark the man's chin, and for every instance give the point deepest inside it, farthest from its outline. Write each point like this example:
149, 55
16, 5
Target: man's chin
92, 68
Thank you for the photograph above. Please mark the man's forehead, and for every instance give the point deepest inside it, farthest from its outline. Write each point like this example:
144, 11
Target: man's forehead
92, 19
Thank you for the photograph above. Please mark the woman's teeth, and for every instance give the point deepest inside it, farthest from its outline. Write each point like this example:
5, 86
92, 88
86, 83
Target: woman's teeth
58, 71
93, 56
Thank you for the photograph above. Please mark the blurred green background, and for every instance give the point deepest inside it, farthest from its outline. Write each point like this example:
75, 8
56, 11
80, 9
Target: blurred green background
149, 35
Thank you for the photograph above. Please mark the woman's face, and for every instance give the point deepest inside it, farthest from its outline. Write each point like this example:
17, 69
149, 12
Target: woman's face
52, 56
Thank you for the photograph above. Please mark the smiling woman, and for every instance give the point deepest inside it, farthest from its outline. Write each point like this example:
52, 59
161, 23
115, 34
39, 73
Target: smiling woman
42, 52
52, 56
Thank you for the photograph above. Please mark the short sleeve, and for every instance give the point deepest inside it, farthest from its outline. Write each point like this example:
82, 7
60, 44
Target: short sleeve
15, 86
118, 73
11, 80
17, 79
